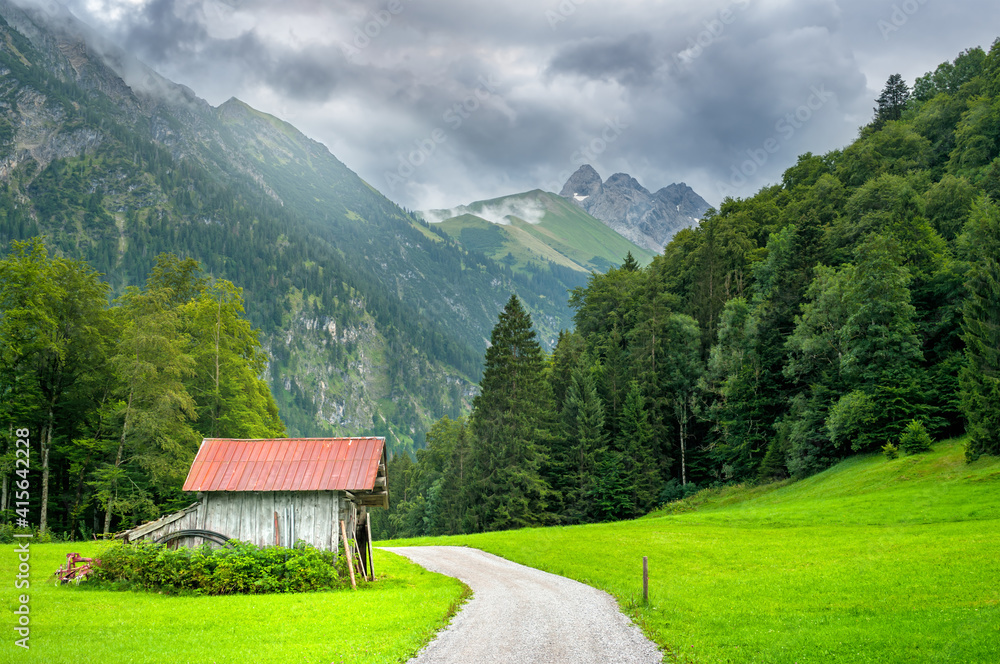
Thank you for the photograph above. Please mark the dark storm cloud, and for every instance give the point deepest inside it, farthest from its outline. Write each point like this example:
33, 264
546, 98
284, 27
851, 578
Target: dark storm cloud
693, 90
157, 33
174, 36
630, 60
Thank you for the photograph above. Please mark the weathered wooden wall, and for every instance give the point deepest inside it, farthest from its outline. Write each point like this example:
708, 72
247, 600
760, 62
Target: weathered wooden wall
311, 516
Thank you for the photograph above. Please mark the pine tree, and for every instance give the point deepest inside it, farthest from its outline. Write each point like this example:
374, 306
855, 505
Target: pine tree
583, 421
979, 379
915, 438
510, 423
641, 476
892, 101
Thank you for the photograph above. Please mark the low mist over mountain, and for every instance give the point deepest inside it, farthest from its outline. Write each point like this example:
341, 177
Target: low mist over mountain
647, 219
538, 233
374, 321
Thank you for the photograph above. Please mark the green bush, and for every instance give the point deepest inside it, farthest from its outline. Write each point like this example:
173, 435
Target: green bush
915, 438
240, 568
890, 451
674, 490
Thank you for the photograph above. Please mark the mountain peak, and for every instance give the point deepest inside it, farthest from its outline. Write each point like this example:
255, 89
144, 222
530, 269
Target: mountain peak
585, 182
625, 181
649, 220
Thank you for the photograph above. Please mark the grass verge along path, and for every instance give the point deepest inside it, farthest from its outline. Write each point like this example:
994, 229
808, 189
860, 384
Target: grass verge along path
871, 561
385, 622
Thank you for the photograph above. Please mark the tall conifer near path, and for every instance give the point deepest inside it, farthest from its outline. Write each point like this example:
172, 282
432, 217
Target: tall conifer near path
510, 424
980, 377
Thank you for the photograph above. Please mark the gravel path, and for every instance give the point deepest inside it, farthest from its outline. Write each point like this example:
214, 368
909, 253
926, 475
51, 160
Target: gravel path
520, 615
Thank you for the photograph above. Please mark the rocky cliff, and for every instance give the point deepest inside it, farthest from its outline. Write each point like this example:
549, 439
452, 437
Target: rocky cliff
647, 219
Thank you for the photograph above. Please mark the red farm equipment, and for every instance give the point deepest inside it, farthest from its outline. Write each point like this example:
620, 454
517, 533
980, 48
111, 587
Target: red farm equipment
76, 568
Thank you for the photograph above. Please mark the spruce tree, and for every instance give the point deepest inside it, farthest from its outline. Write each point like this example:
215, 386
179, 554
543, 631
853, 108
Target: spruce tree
979, 379
583, 421
630, 264
641, 475
510, 423
892, 101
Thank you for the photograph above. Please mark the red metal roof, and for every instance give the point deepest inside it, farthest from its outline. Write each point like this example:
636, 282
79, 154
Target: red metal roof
286, 464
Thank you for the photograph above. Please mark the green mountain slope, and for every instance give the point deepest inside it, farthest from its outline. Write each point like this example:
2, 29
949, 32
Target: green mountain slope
537, 229
375, 323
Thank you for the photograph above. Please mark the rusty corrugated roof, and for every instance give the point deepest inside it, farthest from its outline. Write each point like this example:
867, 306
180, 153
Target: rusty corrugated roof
286, 464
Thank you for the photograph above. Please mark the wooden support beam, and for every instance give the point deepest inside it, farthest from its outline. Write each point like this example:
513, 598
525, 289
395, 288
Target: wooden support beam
347, 552
371, 563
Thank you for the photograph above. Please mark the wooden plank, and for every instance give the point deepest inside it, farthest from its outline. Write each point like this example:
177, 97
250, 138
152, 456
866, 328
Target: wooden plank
160, 523
371, 564
347, 552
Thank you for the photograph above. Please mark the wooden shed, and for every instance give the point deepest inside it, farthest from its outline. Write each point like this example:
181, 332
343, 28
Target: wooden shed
277, 492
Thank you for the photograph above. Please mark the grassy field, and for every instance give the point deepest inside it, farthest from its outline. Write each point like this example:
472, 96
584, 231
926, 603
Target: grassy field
385, 622
871, 561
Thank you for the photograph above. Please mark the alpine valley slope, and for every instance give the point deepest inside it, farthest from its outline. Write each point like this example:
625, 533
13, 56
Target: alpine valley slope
375, 322
537, 229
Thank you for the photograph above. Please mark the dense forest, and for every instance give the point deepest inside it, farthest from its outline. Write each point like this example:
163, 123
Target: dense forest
375, 321
853, 307
114, 397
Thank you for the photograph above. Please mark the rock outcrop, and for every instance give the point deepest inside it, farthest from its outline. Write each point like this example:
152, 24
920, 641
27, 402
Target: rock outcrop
648, 219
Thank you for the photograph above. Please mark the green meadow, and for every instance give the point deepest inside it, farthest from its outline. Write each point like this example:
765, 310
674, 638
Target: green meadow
870, 561
387, 621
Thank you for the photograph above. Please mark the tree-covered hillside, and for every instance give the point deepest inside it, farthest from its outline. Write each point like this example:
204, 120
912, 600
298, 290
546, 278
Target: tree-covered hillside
374, 323
103, 404
857, 299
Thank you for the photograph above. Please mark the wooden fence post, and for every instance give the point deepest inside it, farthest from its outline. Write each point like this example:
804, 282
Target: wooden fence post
645, 580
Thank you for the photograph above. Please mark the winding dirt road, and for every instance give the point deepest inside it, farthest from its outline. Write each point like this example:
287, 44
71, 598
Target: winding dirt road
520, 615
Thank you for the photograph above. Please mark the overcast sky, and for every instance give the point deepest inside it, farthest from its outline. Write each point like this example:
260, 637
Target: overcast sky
437, 103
